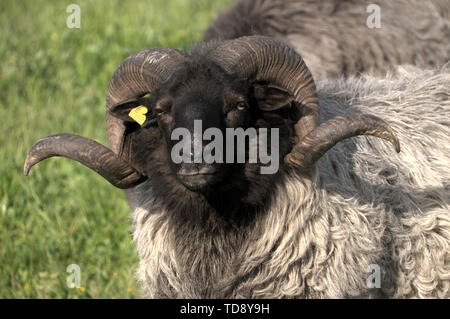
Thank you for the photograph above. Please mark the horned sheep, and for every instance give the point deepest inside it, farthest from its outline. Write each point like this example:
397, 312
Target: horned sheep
336, 207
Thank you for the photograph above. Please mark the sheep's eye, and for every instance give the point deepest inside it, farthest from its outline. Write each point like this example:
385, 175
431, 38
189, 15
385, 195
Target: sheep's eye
158, 110
241, 106
163, 106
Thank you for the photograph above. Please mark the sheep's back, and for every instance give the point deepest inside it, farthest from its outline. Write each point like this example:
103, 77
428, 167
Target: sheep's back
333, 36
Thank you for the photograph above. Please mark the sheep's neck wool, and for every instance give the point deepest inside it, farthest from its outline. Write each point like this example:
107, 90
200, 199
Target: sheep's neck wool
366, 224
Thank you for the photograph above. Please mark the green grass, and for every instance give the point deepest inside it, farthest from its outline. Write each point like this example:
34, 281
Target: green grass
52, 80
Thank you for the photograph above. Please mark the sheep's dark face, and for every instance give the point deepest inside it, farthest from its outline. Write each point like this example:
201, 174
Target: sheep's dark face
199, 99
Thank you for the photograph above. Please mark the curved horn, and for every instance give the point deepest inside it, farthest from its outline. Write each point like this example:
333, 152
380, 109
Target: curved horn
266, 59
89, 153
139, 74
314, 145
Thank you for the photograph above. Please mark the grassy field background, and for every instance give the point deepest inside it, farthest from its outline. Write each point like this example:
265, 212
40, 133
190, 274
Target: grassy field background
52, 80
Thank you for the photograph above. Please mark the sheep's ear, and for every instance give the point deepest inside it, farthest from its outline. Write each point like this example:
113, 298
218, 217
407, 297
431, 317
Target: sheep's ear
270, 97
133, 110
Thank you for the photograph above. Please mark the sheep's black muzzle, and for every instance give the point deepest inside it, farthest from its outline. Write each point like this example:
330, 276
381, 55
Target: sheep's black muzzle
198, 177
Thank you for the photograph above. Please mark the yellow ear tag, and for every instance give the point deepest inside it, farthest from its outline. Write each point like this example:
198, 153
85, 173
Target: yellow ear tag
138, 114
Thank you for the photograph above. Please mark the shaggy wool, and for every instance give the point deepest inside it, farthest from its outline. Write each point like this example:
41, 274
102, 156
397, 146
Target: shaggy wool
333, 36
363, 205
